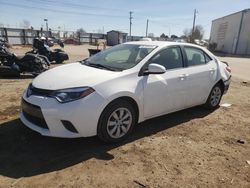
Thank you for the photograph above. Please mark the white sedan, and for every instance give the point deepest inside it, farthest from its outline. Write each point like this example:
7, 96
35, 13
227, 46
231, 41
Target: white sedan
107, 94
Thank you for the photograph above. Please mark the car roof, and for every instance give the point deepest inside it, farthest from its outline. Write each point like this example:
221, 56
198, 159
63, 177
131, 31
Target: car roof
162, 43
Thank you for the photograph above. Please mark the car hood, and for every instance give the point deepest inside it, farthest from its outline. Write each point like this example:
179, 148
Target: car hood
72, 75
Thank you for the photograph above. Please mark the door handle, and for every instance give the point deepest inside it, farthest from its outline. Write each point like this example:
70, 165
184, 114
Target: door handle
183, 76
212, 70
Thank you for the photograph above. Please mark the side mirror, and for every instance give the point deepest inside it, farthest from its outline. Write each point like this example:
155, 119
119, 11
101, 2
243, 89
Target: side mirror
155, 69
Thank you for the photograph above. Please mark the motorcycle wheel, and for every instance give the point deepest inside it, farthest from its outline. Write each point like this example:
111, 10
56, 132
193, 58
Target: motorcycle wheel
7, 71
59, 61
39, 66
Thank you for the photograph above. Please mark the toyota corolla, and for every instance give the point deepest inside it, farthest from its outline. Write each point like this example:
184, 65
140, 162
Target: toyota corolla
108, 93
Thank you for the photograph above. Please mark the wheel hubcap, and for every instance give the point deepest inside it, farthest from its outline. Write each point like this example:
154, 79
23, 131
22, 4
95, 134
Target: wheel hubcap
215, 96
119, 122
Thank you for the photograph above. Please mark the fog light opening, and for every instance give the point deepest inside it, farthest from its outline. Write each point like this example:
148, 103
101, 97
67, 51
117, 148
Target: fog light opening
69, 126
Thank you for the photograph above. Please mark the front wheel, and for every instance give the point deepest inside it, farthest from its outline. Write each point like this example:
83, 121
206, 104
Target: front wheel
116, 122
214, 97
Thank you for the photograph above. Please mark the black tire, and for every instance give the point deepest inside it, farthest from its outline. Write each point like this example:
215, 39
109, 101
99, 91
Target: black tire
214, 97
7, 71
59, 61
106, 116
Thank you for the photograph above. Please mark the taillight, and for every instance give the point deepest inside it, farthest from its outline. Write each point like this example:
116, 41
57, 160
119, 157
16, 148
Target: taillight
225, 63
228, 69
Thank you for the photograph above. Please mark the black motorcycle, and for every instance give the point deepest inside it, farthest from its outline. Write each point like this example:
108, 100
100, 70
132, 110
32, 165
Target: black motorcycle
41, 47
13, 65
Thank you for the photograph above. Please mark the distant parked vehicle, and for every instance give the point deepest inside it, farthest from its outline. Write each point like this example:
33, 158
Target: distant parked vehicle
71, 41
201, 42
107, 94
145, 39
13, 65
99, 43
179, 40
41, 46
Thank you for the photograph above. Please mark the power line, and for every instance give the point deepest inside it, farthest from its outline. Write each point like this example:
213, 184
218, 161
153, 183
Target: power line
72, 5
60, 11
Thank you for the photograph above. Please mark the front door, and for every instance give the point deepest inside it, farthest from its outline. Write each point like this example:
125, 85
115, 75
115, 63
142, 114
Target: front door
164, 93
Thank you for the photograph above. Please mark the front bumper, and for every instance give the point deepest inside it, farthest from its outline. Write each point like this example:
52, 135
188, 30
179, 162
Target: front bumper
45, 115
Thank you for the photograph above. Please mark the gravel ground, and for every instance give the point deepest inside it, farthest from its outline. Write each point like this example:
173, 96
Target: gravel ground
191, 148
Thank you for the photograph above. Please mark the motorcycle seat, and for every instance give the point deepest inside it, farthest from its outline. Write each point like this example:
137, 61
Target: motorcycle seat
25, 57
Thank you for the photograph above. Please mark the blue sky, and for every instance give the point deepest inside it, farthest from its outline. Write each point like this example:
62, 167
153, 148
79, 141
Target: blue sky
164, 16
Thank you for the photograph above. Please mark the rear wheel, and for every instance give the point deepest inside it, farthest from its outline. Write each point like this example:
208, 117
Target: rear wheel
39, 66
8, 71
214, 97
116, 122
59, 61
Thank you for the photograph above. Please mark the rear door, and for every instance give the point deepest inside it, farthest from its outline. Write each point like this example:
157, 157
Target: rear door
201, 75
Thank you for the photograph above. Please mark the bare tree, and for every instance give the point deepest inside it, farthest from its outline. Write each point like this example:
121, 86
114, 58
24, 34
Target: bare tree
163, 35
197, 34
186, 32
100, 31
81, 30
25, 24
174, 37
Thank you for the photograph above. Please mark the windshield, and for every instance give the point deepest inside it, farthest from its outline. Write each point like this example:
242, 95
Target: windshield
120, 57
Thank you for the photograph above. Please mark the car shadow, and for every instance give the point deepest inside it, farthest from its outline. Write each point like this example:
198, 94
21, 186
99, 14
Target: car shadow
24, 153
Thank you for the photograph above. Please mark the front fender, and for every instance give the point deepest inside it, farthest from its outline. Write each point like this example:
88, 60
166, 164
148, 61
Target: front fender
138, 100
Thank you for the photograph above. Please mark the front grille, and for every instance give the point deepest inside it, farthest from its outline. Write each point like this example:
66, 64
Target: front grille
33, 114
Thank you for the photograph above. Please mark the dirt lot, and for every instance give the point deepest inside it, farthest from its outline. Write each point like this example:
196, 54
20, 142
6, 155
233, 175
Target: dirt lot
191, 148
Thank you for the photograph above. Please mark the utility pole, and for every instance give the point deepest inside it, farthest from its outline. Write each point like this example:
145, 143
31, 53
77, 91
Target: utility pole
195, 12
130, 22
47, 26
147, 28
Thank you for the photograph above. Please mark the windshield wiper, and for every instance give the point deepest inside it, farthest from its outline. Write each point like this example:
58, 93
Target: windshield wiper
101, 66
97, 65
85, 61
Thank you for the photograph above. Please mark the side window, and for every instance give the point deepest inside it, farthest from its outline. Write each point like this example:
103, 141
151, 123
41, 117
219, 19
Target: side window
207, 58
170, 58
196, 56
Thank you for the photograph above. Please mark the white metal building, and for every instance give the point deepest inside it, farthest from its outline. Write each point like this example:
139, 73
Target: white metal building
232, 33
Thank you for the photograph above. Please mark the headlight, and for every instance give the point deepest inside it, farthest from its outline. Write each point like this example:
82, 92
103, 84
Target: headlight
29, 91
67, 95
